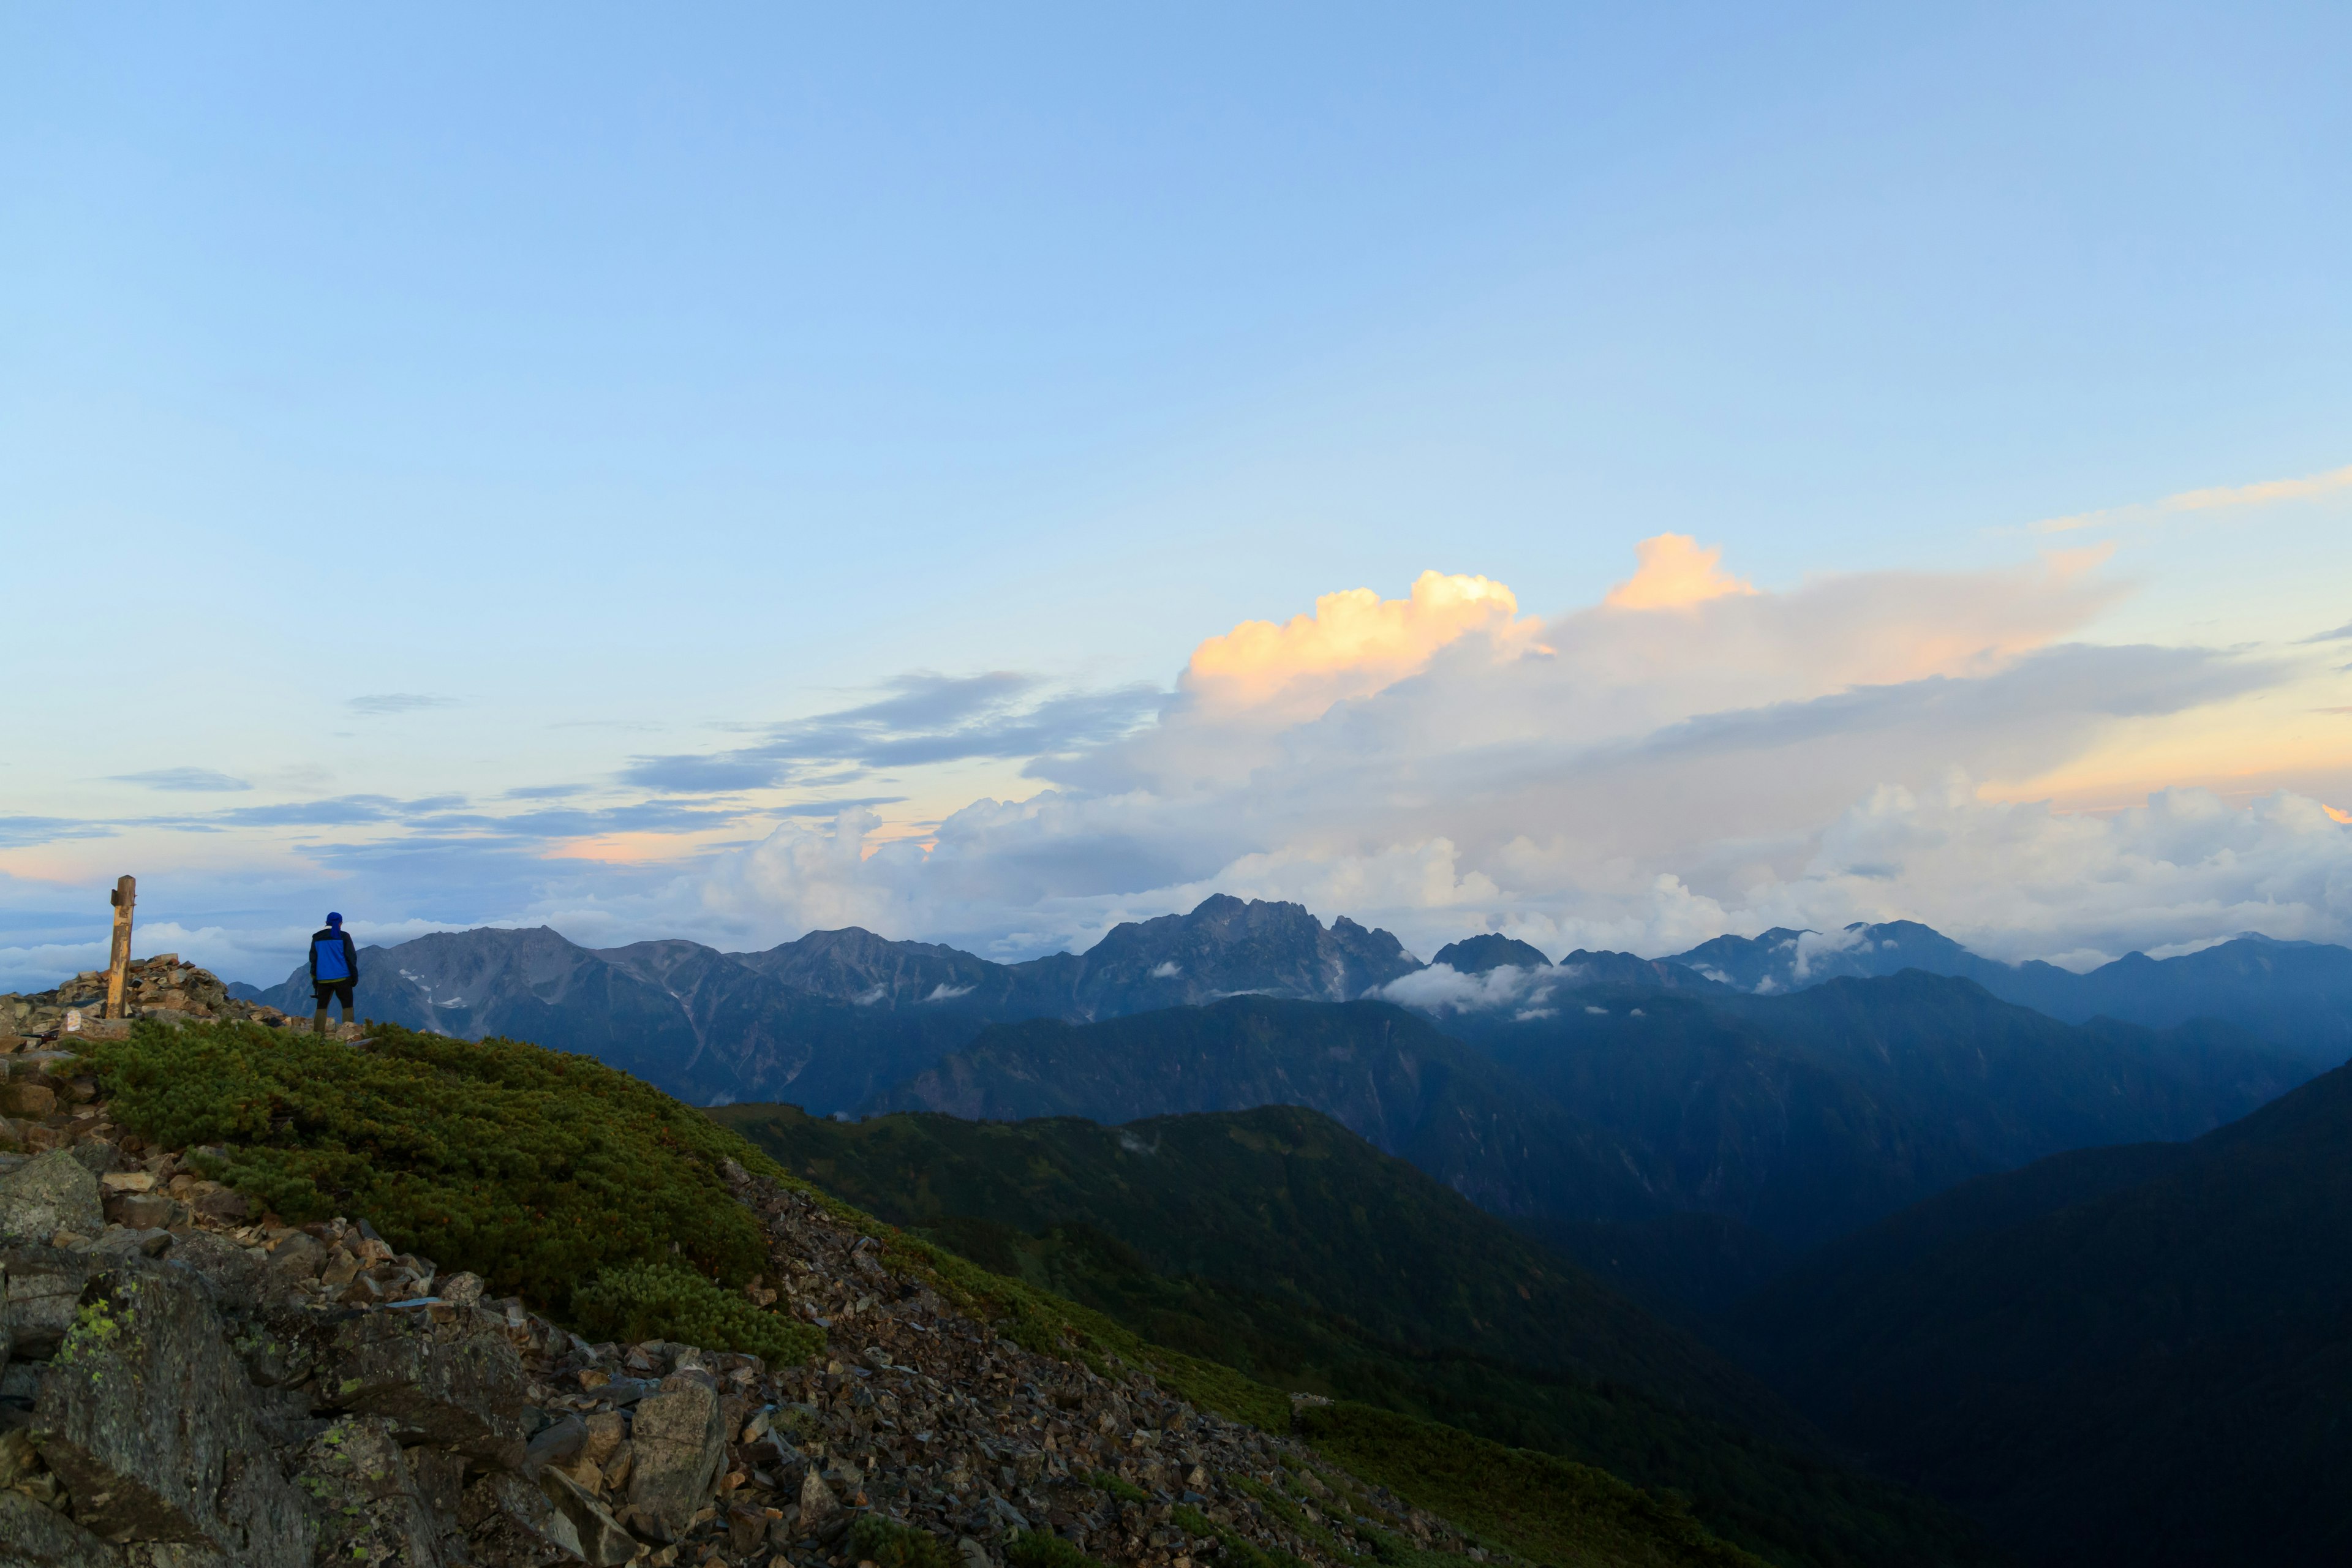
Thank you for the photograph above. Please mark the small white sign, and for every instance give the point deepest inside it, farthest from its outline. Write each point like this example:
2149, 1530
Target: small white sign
73, 1020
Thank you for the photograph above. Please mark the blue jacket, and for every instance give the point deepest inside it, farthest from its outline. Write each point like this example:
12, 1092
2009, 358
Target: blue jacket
333, 959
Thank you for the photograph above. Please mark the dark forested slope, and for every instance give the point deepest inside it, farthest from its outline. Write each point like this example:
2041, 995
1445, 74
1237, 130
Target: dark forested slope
1278, 1243
2139, 1355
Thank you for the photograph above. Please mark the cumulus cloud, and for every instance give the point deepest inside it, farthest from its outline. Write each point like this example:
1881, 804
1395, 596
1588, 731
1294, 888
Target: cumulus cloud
1689, 756
1353, 644
1623, 777
1676, 574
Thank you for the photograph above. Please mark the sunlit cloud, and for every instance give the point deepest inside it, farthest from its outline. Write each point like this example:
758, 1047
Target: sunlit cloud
1353, 642
1676, 574
1684, 755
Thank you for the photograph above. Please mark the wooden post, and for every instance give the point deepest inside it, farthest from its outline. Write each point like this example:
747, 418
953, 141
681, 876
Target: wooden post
121, 960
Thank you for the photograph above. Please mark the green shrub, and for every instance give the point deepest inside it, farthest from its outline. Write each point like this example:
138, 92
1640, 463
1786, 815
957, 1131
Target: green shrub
887, 1543
1550, 1508
657, 1302
536, 1169
1125, 1491
1039, 1549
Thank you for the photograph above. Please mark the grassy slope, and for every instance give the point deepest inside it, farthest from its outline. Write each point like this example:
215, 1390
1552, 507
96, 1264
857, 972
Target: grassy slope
540, 1170
1233, 1236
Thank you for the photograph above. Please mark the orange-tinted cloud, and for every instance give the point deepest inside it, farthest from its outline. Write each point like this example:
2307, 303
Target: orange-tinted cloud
626, 848
1674, 573
1354, 644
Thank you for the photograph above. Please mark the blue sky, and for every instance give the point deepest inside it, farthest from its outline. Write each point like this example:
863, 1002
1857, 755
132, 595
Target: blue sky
403, 411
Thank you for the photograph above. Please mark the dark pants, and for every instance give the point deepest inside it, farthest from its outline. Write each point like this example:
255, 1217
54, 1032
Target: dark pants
340, 990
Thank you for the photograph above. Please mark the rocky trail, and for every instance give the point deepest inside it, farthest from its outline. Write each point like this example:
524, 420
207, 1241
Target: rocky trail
185, 1381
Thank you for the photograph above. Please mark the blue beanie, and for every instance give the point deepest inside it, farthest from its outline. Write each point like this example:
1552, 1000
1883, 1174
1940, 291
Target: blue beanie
333, 919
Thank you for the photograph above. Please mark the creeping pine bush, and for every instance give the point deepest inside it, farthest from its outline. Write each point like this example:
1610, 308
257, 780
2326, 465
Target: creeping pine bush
657, 1301
887, 1543
1036, 1548
536, 1169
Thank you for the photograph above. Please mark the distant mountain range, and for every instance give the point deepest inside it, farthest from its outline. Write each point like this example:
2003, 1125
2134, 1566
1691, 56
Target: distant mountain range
1386, 1074
2064, 1249
830, 1020
536, 986
2295, 995
2134, 1354
1781, 1086
1799, 1116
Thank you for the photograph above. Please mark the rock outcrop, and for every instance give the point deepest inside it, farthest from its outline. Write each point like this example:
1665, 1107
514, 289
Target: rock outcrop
185, 1381
161, 988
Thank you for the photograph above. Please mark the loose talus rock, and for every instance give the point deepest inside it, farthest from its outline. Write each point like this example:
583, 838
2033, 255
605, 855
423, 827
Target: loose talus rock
257, 1393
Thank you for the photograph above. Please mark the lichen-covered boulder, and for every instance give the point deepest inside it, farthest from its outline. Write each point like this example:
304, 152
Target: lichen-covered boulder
36, 1536
40, 1290
145, 1414
363, 1498
680, 1440
54, 1193
457, 1385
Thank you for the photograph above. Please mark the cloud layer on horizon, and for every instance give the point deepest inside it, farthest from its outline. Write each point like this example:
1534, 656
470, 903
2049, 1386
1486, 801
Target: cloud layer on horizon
1641, 774
1688, 756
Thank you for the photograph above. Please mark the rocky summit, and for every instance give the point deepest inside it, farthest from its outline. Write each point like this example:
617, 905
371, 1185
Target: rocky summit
185, 1381
161, 988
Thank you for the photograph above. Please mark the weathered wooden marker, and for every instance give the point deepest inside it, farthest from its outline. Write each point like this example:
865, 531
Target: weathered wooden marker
120, 961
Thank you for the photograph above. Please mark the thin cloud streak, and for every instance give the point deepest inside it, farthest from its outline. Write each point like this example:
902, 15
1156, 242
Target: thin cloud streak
383, 704
188, 781
2216, 498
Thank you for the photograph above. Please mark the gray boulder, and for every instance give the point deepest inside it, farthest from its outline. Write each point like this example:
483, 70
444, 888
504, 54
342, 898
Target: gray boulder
234, 1273
459, 1384
39, 1537
40, 1289
510, 1522
364, 1496
680, 1440
144, 1413
43, 1196
603, 1543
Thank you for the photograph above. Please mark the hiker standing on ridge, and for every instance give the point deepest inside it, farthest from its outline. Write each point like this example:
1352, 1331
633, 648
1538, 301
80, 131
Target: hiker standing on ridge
334, 970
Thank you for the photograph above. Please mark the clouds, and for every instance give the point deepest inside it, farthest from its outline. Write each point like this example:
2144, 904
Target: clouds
2212, 498
190, 781
1690, 755
1676, 574
1638, 775
927, 718
384, 704
1355, 643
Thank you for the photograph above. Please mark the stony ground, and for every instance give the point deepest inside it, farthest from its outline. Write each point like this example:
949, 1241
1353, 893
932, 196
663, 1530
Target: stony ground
184, 1382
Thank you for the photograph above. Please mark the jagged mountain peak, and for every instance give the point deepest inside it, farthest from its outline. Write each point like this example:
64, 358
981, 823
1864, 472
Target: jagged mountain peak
1489, 950
1226, 946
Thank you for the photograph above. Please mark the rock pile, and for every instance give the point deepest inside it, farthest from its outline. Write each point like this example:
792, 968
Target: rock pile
161, 988
183, 1381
